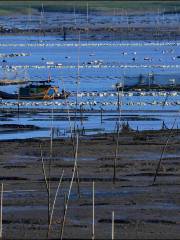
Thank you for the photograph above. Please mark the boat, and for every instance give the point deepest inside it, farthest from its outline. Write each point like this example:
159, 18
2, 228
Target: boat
41, 90
147, 83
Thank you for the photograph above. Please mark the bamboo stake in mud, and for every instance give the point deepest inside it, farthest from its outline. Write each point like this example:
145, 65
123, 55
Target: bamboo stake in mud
163, 151
112, 225
77, 180
1, 216
118, 134
46, 183
73, 142
93, 230
77, 90
54, 202
50, 161
70, 187
65, 200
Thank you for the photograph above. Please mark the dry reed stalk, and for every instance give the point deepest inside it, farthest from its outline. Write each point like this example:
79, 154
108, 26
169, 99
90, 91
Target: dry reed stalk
70, 187
54, 202
93, 229
1, 215
163, 151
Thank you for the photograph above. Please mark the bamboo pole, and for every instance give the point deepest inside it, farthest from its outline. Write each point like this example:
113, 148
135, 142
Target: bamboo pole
1, 216
77, 90
43, 168
163, 151
54, 202
50, 162
118, 134
112, 225
46, 183
70, 187
93, 229
73, 142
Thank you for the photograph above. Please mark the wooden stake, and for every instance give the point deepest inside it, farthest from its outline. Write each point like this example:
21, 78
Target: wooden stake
54, 202
93, 230
112, 225
50, 162
118, 134
70, 187
1, 223
73, 141
46, 183
162, 153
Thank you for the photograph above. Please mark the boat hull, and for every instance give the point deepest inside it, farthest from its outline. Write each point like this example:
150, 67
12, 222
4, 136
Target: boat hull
4, 95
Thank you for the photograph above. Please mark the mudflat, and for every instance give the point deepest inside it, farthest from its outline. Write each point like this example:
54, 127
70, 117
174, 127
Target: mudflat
143, 210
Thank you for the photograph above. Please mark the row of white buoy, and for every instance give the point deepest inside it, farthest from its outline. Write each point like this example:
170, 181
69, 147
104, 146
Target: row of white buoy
126, 94
90, 103
100, 44
95, 66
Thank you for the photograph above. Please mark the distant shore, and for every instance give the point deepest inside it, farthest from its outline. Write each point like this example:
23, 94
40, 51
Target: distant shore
101, 33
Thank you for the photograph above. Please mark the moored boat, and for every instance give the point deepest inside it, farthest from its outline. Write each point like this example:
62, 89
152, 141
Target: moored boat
41, 90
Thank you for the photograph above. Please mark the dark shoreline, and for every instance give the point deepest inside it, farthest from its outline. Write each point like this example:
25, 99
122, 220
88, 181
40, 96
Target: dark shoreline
101, 33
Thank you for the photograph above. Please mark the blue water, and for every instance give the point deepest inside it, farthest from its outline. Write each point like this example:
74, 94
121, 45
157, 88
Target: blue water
96, 81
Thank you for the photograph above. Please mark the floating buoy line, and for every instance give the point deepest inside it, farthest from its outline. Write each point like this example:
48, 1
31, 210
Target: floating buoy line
126, 94
89, 44
164, 66
89, 103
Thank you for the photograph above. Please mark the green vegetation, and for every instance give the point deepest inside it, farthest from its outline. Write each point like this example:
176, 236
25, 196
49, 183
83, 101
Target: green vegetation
11, 7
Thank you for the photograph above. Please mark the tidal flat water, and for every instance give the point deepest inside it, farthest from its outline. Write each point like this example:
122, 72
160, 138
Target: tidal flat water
90, 70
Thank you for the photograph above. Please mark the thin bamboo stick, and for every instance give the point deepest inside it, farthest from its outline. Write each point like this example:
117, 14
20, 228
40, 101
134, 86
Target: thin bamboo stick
77, 90
93, 229
54, 202
43, 168
117, 140
50, 162
163, 151
46, 183
112, 225
1, 215
70, 187
73, 141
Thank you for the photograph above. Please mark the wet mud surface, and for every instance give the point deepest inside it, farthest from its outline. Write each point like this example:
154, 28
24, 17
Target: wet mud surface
142, 209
